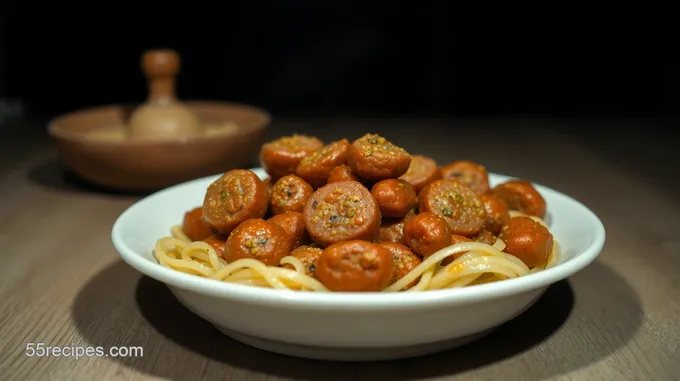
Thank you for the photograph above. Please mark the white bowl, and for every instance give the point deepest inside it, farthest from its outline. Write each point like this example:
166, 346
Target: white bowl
351, 326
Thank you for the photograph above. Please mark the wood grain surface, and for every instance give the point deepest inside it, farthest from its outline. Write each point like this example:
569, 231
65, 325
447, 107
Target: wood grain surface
63, 284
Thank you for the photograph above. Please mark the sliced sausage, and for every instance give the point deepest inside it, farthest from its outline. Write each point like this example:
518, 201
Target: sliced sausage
293, 223
427, 233
316, 167
308, 255
392, 230
469, 173
497, 213
395, 197
340, 173
281, 156
485, 236
355, 266
457, 203
270, 185
527, 240
236, 196
374, 158
195, 226
342, 211
218, 242
422, 172
455, 239
257, 239
289, 194
521, 196
404, 261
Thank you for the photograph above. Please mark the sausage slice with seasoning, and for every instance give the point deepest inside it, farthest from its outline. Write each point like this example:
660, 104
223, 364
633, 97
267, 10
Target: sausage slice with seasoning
289, 194
456, 203
308, 256
236, 196
422, 172
280, 157
340, 211
257, 239
316, 167
468, 173
374, 158
355, 266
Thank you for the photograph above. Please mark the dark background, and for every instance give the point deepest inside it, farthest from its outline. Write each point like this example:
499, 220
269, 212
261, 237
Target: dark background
338, 57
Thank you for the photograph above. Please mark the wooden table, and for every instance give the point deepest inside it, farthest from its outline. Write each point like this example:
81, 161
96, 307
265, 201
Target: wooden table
63, 284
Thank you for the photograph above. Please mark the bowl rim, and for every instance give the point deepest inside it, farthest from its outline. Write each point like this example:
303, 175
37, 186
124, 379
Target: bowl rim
363, 301
56, 131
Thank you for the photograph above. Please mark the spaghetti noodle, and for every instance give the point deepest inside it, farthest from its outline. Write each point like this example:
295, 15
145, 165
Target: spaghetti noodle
480, 263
